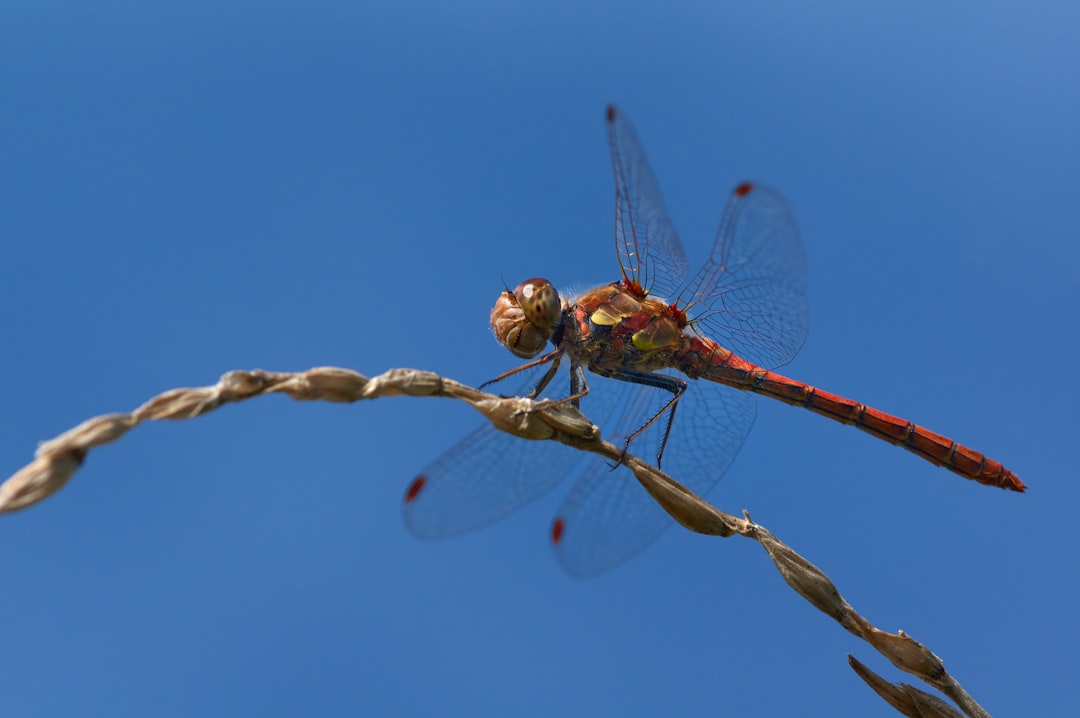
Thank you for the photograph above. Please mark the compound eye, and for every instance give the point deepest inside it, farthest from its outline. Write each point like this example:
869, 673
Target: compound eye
514, 330
540, 302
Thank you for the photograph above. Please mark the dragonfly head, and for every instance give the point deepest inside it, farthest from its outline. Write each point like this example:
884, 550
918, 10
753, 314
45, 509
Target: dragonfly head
524, 319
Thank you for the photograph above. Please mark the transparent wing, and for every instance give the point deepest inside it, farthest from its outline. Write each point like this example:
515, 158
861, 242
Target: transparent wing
751, 294
486, 476
483, 478
608, 516
648, 247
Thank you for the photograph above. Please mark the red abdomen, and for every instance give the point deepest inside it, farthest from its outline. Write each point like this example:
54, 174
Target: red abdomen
704, 359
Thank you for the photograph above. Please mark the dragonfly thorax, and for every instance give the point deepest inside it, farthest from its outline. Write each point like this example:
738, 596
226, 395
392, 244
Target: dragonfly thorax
523, 320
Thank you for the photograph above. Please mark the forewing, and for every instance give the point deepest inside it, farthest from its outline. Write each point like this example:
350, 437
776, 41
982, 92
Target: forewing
648, 247
486, 476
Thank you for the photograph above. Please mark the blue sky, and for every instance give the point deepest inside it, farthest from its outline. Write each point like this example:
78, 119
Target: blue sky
204, 187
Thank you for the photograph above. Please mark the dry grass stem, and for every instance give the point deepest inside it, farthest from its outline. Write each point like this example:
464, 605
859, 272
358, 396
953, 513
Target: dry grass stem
57, 460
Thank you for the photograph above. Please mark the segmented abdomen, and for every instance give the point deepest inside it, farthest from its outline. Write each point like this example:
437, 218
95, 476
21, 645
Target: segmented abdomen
703, 359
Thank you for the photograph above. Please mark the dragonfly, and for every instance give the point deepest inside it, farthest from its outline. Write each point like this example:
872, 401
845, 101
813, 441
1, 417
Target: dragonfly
661, 356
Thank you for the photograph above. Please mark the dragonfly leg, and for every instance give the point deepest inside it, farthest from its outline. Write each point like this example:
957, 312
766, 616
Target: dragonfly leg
546, 378
676, 386
579, 386
554, 356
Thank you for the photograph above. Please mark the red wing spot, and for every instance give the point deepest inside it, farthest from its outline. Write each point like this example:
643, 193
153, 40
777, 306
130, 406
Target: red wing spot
610, 113
744, 189
415, 488
557, 531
